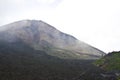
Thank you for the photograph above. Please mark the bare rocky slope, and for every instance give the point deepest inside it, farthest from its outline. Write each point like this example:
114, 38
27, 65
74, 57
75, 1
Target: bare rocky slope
42, 36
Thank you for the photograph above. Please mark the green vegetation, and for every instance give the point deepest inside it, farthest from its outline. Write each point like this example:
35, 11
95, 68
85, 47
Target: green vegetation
110, 62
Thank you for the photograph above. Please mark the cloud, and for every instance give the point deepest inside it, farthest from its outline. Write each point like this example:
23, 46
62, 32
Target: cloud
92, 21
12, 10
46, 1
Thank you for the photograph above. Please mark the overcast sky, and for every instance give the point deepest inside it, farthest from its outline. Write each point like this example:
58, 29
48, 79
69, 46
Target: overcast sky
96, 22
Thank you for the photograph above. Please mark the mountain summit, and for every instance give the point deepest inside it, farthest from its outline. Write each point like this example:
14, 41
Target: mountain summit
41, 36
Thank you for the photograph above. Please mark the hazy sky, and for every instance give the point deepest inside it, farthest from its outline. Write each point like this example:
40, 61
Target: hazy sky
96, 22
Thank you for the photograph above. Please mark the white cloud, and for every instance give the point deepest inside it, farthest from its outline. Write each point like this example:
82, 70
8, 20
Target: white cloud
46, 1
91, 21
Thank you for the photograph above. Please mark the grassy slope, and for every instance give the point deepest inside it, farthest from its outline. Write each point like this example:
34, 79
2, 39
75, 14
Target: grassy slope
110, 62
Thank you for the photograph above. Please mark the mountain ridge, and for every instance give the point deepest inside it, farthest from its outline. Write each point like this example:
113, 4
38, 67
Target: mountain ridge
41, 35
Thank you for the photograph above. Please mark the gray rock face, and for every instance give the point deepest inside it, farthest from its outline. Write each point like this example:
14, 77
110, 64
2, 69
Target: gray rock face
40, 35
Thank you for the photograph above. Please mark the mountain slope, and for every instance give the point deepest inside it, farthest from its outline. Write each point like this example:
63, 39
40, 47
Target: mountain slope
42, 36
18, 61
110, 62
34, 50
